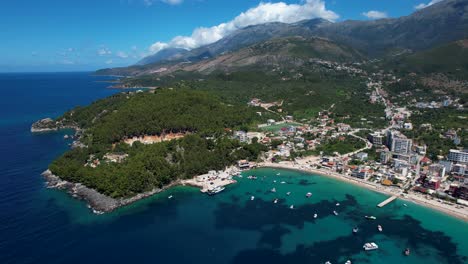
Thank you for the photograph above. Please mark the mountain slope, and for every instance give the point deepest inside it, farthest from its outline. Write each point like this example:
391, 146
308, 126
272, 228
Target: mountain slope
440, 23
240, 39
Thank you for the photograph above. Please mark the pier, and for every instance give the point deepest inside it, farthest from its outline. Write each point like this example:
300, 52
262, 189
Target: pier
389, 200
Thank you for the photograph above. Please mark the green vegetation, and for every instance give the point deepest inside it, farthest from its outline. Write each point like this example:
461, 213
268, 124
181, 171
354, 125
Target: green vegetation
207, 146
343, 145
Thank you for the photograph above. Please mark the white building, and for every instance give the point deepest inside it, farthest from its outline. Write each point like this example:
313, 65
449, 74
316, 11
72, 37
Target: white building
458, 156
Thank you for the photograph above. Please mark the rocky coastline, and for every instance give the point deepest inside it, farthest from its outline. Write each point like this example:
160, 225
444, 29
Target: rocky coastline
48, 125
98, 202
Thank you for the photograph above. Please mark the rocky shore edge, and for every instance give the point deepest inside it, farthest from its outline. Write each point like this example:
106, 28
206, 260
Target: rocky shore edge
48, 124
98, 202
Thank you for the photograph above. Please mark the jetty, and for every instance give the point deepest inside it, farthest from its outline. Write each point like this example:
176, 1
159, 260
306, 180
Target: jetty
389, 200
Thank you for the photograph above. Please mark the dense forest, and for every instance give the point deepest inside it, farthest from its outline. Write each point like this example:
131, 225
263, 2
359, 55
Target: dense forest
108, 121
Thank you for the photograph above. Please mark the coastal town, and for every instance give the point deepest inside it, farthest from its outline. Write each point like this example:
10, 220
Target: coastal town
385, 160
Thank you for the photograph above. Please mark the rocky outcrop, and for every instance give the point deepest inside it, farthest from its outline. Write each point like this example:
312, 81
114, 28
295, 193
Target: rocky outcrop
44, 125
97, 201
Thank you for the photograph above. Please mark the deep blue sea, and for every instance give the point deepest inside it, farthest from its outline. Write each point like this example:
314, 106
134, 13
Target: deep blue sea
39, 225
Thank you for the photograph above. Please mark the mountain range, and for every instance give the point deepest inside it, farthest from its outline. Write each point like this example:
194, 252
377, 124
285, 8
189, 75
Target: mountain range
436, 25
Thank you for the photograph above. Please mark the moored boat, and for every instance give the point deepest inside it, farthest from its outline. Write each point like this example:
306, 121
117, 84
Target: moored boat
169, 197
379, 227
273, 190
370, 217
335, 212
337, 204
288, 193
348, 262
275, 201
291, 207
355, 230
309, 194
252, 198
407, 252
315, 215
215, 190
370, 246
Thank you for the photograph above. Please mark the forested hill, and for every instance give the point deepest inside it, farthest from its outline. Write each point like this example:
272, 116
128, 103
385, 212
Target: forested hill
152, 113
144, 167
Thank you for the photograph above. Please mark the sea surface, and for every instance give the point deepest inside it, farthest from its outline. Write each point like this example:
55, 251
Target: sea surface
40, 225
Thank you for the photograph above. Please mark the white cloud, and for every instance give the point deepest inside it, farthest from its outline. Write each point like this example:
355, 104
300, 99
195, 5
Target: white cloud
104, 51
172, 2
263, 13
169, 2
422, 5
122, 55
373, 14
109, 62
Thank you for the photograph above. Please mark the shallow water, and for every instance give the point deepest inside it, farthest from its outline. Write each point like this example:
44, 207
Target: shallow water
40, 225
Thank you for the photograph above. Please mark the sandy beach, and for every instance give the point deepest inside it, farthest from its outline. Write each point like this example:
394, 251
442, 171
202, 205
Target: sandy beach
460, 213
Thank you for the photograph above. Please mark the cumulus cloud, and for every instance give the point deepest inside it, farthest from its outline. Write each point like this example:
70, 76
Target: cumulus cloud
104, 51
373, 14
109, 62
263, 13
422, 5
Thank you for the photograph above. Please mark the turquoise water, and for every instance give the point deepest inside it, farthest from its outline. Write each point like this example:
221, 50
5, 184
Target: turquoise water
40, 225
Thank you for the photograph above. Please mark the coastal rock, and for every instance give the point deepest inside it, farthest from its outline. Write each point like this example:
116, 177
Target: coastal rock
44, 125
98, 202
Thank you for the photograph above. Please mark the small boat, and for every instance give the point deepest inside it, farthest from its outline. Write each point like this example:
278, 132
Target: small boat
337, 204
370, 246
273, 190
283, 182
252, 198
278, 174
275, 201
315, 215
407, 252
371, 217
251, 177
355, 230
379, 227
335, 212
274, 181
169, 197
309, 194
348, 262
328, 262
288, 193
291, 207
405, 205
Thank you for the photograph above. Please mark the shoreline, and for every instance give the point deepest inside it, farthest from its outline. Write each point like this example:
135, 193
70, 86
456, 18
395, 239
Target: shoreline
461, 214
99, 203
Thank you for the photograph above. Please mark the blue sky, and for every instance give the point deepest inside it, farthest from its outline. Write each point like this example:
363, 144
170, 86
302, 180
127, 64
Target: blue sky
72, 35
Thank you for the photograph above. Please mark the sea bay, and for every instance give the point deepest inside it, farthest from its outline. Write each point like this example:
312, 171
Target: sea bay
41, 225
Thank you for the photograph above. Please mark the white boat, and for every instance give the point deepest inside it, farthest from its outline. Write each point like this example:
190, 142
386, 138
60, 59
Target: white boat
278, 174
169, 197
275, 201
315, 215
283, 182
252, 198
348, 262
309, 194
273, 190
328, 262
379, 227
337, 204
291, 207
371, 217
405, 205
335, 212
215, 190
355, 230
370, 246
288, 193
